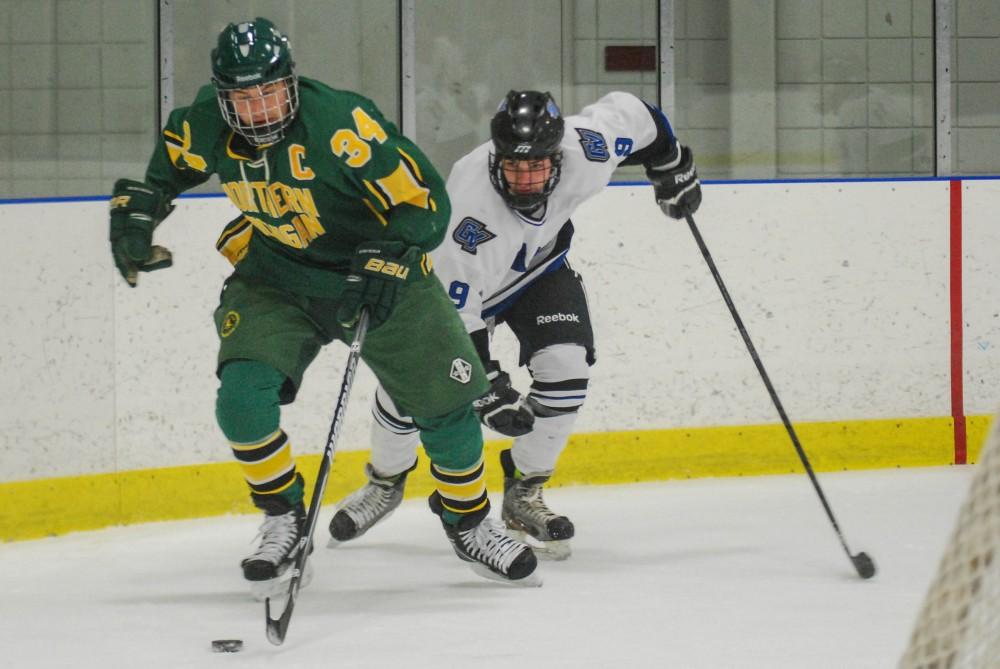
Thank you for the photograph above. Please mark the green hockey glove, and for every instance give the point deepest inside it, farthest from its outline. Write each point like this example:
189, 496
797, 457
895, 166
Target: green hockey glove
378, 271
136, 209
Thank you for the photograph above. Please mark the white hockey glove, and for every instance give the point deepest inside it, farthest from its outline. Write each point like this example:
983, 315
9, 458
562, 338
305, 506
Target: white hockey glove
502, 408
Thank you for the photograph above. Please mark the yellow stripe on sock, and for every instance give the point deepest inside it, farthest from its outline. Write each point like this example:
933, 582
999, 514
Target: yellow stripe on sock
288, 485
444, 503
259, 473
463, 492
459, 472
236, 446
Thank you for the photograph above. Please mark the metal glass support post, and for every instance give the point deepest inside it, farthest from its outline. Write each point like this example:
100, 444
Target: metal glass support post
165, 60
667, 78
944, 12
408, 68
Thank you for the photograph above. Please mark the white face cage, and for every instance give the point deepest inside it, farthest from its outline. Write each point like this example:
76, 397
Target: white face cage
261, 113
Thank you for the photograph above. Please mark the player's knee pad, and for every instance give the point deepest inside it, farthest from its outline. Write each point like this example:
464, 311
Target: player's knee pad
247, 405
394, 437
387, 414
561, 373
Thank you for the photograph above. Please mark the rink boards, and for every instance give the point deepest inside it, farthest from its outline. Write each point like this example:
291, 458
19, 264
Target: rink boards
852, 293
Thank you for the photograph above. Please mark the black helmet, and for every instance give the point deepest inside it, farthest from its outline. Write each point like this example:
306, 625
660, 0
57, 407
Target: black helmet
249, 55
527, 126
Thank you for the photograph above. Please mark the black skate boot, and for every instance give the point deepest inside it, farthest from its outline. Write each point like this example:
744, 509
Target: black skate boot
480, 541
280, 535
526, 513
363, 508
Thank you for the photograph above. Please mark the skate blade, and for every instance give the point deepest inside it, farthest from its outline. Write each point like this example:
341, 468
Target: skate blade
551, 551
278, 587
532, 580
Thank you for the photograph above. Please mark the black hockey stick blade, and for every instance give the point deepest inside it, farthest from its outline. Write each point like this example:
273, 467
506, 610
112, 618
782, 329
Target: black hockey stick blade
864, 564
277, 627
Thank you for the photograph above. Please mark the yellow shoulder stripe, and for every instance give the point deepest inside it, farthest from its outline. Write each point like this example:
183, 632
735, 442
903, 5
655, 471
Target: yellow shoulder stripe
381, 197
404, 186
178, 148
412, 164
375, 211
234, 242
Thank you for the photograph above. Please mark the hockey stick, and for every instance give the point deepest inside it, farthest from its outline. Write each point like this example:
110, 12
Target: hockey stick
862, 563
278, 627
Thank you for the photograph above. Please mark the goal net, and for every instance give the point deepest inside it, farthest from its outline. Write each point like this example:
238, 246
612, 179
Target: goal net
959, 624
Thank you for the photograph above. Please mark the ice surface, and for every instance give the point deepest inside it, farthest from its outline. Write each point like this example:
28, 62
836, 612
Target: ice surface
711, 573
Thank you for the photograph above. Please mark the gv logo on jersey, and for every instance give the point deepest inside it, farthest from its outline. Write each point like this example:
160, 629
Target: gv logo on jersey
470, 233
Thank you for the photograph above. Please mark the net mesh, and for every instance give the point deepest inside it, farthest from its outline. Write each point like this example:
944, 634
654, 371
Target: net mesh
959, 624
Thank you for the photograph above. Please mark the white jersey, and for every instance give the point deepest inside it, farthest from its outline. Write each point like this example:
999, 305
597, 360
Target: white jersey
492, 252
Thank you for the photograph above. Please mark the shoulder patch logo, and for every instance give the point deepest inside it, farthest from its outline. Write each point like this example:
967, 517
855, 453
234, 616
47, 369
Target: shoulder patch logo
229, 324
461, 371
595, 147
470, 233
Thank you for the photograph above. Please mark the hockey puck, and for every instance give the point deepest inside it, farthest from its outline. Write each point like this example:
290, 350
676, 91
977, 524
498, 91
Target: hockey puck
227, 645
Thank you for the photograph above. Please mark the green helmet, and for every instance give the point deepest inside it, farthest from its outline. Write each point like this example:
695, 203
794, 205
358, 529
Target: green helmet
249, 57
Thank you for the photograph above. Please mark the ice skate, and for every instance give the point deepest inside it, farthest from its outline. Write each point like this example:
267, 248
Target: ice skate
359, 512
269, 568
527, 515
481, 541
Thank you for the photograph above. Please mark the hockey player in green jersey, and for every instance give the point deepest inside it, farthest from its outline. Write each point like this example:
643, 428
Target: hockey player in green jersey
339, 211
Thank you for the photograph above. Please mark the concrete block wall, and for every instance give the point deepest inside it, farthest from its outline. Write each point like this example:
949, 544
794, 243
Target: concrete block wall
850, 87
869, 68
76, 89
975, 96
703, 82
598, 24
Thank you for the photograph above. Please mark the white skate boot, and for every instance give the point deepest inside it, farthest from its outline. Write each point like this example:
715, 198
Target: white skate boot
526, 513
359, 512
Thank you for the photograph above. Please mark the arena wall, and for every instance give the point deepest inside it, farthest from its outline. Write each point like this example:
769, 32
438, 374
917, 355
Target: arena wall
873, 306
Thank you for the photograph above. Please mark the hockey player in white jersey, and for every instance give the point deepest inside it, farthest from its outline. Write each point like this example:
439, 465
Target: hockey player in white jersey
504, 261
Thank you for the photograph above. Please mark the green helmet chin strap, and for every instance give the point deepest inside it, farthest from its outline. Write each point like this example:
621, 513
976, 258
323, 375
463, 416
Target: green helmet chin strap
255, 59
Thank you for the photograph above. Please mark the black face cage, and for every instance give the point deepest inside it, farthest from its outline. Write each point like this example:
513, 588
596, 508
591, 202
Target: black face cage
525, 202
276, 119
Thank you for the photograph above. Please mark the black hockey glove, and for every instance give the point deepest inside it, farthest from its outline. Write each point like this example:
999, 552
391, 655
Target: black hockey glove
676, 185
502, 408
378, 272
136, 209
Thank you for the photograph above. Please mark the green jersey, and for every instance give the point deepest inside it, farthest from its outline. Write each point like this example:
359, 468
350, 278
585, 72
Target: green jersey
341, 175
